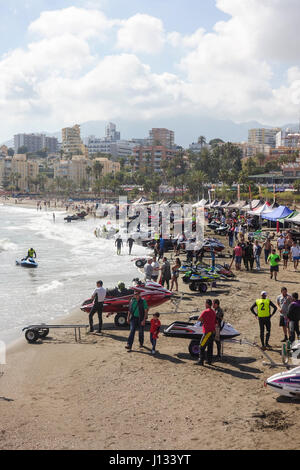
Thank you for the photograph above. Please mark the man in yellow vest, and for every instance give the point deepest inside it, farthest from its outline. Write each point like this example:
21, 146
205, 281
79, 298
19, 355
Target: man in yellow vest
263, 313
31, 253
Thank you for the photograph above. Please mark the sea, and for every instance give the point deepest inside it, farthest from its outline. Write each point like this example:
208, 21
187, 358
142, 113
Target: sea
71, 260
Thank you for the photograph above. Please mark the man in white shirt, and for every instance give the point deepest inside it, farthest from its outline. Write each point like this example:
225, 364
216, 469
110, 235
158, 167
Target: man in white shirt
98, 296
148, 269
155, 272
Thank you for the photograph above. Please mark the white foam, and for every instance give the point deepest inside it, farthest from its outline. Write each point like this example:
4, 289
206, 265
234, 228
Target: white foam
48, 287
7, 245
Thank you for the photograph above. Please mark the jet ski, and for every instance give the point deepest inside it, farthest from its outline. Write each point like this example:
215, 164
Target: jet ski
214, 243
194, 332
286, 383
117, 302
222, 230
27, 263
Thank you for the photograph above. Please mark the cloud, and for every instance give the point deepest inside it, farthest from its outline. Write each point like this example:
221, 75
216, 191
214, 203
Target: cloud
141, 34
81, 22
80, 65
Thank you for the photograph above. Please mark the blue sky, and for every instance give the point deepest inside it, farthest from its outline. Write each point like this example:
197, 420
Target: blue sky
166, 61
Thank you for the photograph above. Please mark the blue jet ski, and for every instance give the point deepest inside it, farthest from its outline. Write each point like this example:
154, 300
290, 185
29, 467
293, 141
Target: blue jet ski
27, 263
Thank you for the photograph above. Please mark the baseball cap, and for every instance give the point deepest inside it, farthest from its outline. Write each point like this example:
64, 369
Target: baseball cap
264, 293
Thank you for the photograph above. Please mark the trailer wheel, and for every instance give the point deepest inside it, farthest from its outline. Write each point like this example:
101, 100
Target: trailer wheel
194, 349
202, 287
193, 286
43, 333
121, 320
32, 336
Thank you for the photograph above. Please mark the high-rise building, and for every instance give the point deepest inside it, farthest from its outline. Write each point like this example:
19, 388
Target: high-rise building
162, 137
111, 133
287, 138
262, 136
71, 140
35, 142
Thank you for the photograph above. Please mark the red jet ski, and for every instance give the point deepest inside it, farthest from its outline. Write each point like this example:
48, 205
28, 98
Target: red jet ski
117, 302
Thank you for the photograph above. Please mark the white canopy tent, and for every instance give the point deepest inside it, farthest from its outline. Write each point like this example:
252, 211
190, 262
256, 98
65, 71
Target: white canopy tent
263, 209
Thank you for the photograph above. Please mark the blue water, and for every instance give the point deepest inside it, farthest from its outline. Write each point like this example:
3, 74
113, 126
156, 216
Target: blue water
71, 259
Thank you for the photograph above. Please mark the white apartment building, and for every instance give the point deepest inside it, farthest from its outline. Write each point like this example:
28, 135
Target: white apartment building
263, 136
287, 138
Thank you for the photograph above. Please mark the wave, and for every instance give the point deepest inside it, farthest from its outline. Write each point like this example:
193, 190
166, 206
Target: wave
7, 245
48, 287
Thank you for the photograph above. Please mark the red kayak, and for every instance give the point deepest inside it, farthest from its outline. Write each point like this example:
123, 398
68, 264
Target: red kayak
154, 294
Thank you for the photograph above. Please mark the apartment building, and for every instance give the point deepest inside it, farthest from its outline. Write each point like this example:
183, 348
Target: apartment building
74, 169
71, 141
152, 156
262, 136
111, 133
287, 138
109, 166
35, 142
22, 168
162, 137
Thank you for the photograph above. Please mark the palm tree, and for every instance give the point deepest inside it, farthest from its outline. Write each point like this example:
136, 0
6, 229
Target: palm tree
97, 168
202, 140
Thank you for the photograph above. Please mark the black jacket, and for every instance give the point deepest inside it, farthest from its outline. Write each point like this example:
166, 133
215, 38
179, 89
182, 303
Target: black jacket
294, 311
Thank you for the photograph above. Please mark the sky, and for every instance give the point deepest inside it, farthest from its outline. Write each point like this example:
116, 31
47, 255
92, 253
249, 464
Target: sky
64, 61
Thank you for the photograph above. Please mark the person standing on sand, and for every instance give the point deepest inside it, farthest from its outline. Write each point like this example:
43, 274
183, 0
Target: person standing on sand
274, 260
219, 319
208, 320
130, 243
263, 314
98, 296
175, 274
257, 252
294, 317
295, 251
155, 266
267, 249
166, 273
137, 316
119, 244
148, 269
283, 302
154, 331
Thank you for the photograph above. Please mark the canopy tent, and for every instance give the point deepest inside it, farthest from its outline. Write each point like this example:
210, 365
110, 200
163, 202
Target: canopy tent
141, 200
252, 205
201, 203
212, 204
221, 203
280, 212
237, 205
293, 218
264, 208
225, 206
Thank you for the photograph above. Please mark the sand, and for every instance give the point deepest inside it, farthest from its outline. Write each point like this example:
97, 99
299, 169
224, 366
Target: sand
59, 394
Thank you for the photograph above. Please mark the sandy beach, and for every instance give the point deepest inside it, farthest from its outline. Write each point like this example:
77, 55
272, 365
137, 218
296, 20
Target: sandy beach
59, 394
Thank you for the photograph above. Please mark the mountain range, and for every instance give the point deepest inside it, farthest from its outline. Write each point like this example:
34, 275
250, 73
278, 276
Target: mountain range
187, 129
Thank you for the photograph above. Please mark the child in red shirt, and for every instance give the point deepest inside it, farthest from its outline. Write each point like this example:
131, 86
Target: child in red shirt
154, 331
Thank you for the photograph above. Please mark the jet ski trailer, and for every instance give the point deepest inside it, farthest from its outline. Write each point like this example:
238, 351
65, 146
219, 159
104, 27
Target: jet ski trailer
35, 332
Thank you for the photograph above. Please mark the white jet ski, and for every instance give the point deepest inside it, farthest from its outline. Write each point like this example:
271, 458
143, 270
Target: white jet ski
286, 383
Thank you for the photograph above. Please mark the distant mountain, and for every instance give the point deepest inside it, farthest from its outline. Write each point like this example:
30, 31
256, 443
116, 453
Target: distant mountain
187, 129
